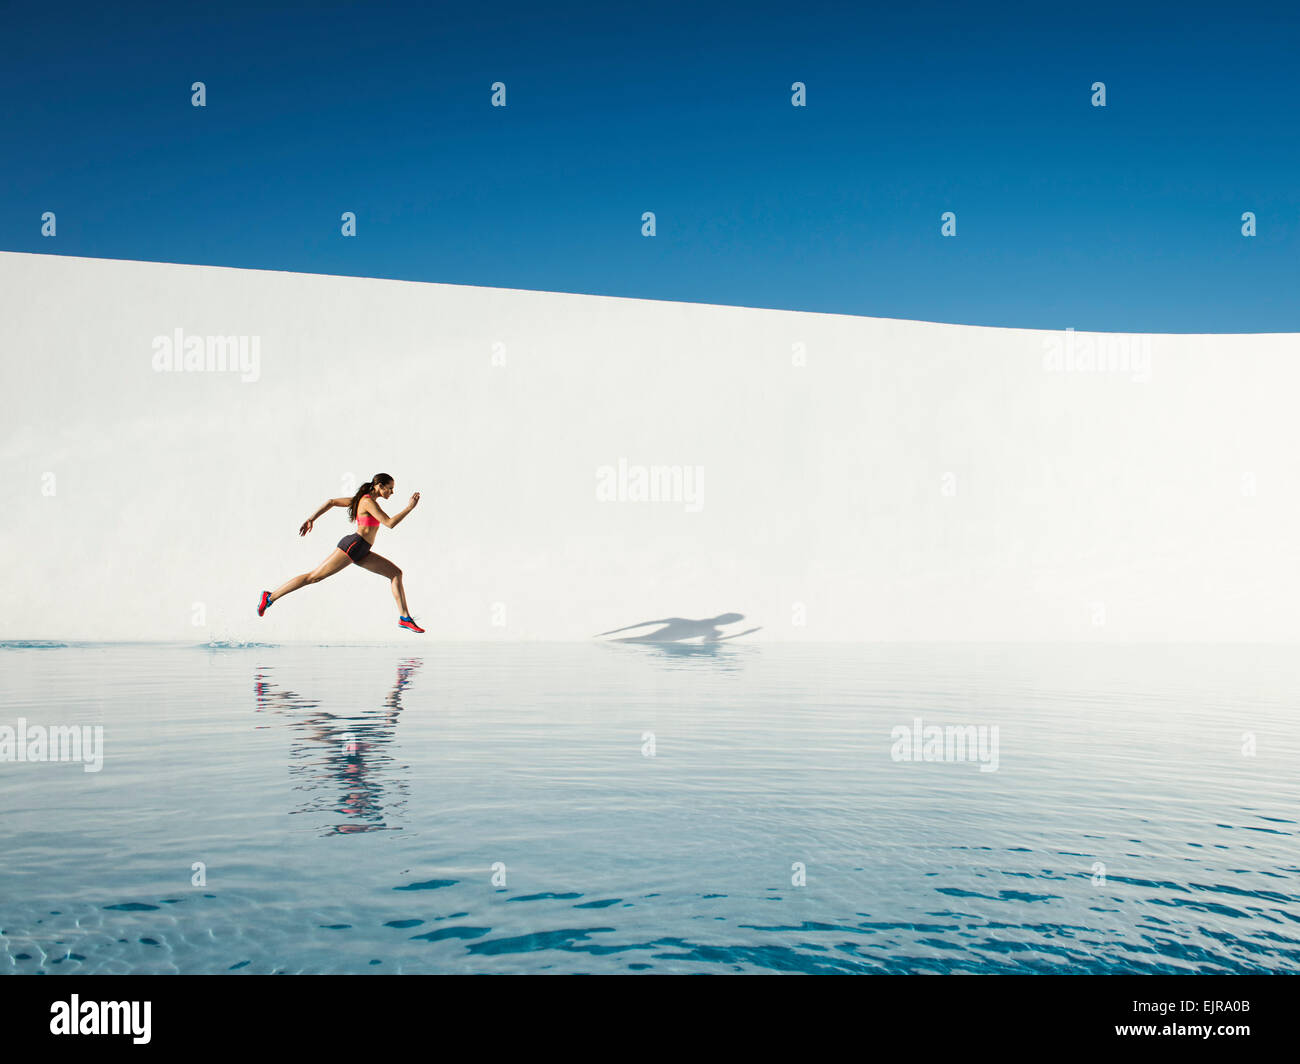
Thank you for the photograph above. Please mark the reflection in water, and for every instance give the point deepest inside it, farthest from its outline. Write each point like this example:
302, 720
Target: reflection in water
330, 753
1130, 757
710, 657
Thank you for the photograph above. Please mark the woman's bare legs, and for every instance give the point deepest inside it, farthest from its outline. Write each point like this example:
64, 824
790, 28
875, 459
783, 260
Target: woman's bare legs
378, 564
331, 565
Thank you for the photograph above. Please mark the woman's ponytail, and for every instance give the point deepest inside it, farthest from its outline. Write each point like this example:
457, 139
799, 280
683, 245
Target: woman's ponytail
378, 480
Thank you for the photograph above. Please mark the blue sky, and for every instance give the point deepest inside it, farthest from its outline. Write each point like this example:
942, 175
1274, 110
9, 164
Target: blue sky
1123, 218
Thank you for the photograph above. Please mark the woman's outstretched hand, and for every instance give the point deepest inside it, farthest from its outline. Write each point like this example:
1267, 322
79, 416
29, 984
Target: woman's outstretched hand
306, 527
415, 499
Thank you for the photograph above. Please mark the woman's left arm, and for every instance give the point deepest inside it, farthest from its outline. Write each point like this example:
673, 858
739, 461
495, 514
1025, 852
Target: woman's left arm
327, 504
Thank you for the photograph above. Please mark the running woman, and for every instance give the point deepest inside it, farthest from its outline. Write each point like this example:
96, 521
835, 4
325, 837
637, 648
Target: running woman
364, 509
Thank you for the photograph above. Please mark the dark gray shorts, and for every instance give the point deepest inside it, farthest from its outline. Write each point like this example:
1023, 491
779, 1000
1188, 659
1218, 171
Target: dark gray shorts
354, 547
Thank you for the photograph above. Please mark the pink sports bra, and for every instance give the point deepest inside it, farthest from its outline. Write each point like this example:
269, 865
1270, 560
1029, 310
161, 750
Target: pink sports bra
366, 521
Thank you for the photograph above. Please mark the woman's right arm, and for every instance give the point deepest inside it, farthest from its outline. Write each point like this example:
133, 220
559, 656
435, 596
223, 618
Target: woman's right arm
396, 519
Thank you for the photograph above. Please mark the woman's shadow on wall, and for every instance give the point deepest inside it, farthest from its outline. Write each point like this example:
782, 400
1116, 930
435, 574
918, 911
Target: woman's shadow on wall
673, 637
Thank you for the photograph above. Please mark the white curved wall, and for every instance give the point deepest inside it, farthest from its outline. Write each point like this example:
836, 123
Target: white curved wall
873, 479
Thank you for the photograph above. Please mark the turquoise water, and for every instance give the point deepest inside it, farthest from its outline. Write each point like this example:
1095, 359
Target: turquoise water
348, 806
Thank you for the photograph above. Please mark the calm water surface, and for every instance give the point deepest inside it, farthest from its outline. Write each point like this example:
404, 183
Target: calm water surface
493, 808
